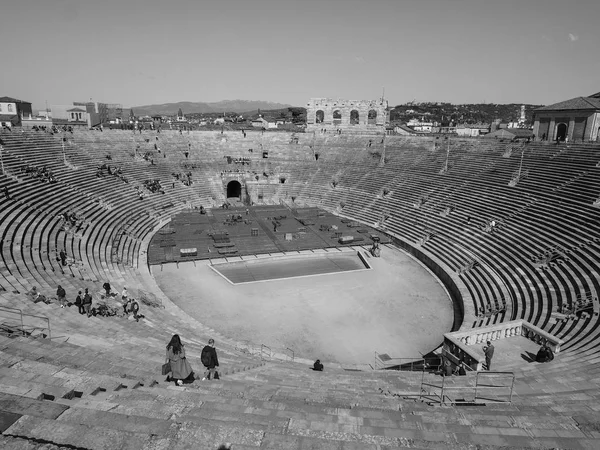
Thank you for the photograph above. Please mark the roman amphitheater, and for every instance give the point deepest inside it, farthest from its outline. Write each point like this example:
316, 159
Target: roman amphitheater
480, 240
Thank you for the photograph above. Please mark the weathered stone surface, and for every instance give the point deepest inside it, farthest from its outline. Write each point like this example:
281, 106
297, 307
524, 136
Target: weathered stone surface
7, 419
26, 406
79, 436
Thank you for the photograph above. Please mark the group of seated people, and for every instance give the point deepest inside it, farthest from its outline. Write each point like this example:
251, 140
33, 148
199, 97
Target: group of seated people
544, 354
185, 178
235, 219
114, 171
242, 161
43, 173
72, 219
189, 166
39, 128
83, 302
577, 307
153, 186
227, 171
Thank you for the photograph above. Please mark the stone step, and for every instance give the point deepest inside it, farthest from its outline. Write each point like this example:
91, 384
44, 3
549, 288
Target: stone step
15, 443
76, 435
18, 404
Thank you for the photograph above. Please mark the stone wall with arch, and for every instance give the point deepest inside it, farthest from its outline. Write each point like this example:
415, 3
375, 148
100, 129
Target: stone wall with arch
355, 114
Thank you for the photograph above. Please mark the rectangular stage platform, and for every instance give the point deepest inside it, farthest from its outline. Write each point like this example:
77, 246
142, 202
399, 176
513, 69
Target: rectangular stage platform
222, 233
250, 270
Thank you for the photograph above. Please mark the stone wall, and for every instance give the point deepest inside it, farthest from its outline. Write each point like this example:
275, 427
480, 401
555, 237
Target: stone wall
334, 114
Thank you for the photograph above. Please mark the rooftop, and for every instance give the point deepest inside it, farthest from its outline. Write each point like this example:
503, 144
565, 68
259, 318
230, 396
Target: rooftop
12, 100
574, 103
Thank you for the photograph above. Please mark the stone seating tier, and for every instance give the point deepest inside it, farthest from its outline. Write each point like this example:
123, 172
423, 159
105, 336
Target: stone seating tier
552, 205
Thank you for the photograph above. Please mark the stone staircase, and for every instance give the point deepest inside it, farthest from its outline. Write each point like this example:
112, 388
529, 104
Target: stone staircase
60, 395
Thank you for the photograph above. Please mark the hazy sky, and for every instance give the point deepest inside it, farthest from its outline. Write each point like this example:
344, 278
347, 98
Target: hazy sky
137, 52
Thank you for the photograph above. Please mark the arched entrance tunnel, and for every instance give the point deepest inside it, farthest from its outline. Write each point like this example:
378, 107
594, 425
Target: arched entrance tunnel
234, 189
561, 132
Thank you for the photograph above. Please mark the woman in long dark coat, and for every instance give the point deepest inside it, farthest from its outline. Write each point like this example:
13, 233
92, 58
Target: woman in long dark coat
180, 367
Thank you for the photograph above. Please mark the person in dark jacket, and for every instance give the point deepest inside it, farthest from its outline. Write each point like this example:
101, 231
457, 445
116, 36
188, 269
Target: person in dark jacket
106, 287
79, 303
62, 296
544, 354
318, 366
87, 303
209, 360
63, 257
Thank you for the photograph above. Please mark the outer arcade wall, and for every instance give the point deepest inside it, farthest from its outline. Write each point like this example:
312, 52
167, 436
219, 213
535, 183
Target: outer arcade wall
368, 115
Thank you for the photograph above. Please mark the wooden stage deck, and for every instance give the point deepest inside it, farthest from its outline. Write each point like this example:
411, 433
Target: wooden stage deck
254, 230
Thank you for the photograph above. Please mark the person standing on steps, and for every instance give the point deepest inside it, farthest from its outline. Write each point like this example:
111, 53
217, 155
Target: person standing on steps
181, 370
87, 303
210, 361
62, 296
488, 351
79, 303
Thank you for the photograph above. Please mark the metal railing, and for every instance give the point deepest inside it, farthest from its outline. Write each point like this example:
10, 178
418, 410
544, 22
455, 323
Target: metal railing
456, 393
416, 364
287, 349
14, 321
263, 351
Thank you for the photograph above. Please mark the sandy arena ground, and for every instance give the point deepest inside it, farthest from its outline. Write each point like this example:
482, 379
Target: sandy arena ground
396, 308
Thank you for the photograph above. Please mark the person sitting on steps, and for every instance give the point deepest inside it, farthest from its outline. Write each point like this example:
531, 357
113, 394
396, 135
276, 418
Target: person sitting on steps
544, 354
318, 366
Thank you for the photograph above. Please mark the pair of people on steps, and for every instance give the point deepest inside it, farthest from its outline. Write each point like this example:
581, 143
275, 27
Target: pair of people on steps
181, 370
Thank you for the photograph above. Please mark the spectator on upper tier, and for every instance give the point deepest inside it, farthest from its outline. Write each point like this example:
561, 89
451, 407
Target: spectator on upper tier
63, 257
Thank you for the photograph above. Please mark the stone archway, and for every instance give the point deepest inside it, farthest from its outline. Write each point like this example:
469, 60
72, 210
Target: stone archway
234, 189
319, 116
337, 117
561, 131
372, 117
354, 117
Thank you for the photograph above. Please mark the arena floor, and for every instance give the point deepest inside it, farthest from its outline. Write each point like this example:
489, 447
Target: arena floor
397, 308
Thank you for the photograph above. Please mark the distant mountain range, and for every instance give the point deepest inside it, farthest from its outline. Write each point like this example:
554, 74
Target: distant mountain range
238, 106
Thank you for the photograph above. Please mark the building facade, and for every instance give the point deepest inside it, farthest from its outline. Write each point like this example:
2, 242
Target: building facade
13, 110
577, 119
